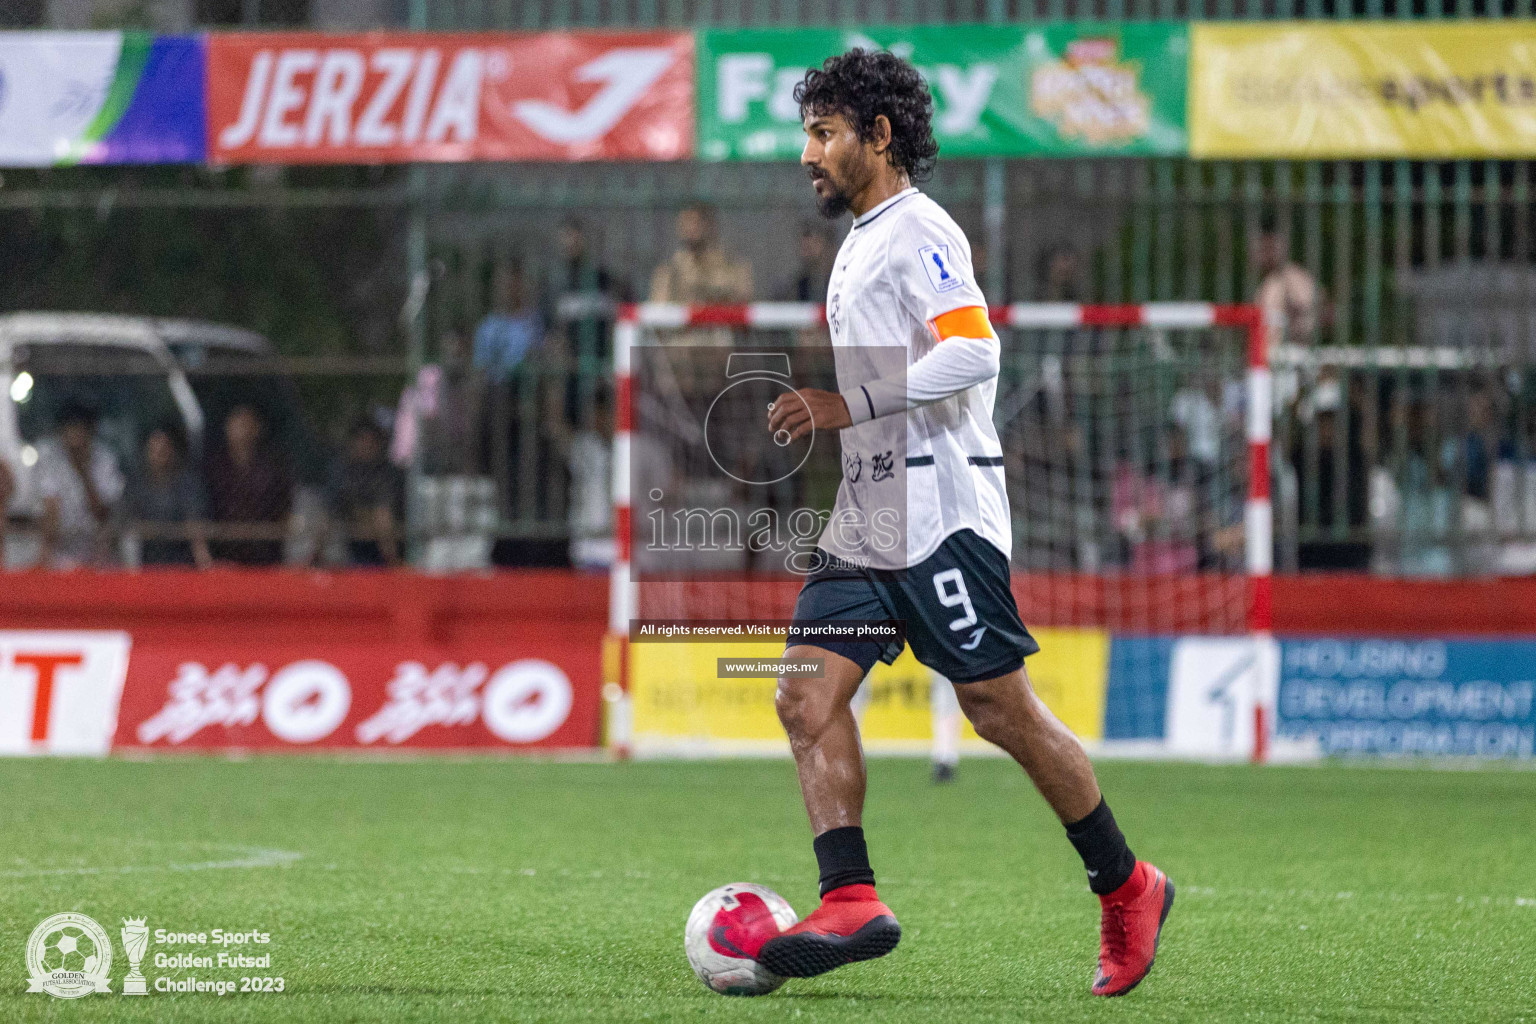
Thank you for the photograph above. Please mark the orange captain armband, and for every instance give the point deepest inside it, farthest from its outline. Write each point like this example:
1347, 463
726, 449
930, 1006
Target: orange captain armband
965, 322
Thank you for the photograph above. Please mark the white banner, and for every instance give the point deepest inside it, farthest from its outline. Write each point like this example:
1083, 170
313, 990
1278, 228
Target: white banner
52, 87
1215, 686
59, 690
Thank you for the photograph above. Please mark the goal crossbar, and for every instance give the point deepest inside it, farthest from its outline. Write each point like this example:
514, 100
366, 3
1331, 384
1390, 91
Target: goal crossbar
781, 315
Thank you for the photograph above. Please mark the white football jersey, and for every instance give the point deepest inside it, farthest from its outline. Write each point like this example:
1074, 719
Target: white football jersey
937, 467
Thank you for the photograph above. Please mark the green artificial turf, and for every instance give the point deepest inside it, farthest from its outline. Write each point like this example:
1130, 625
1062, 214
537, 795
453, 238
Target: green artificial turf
491, 890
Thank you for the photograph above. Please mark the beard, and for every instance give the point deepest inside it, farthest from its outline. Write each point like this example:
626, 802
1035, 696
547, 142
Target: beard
835, 203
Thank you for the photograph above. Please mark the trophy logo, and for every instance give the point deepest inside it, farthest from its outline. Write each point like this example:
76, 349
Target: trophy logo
69, 956
135, 942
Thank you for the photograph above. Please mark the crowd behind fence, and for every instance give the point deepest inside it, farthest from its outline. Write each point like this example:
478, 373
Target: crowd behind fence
1412, 456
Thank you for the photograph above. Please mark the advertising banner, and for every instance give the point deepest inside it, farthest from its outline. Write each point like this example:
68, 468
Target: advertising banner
510, 697
100, 98
1361, 89
1216, 684
389, 98
681, 704
1065, 89
59, 690
1195, 696
1470, 698
1191, 696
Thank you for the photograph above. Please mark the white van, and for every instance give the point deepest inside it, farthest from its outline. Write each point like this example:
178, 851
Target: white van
136, 372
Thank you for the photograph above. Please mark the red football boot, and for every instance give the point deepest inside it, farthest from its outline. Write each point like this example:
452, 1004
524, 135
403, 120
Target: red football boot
850, 925
1131, 924
1131, 928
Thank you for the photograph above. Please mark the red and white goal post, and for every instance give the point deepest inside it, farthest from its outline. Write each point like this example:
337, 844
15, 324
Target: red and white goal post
1236, 601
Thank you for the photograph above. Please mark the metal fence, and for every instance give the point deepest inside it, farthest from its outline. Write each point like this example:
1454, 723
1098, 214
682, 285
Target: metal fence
1403, 426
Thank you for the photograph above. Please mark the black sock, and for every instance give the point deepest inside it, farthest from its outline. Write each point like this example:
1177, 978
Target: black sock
842, 858
1099, 842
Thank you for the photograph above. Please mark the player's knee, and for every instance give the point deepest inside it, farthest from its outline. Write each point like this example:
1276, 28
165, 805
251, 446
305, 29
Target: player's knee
993, 718
802, 713
989, 720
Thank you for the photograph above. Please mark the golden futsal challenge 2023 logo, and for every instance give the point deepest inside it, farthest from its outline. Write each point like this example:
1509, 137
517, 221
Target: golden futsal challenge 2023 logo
70, 955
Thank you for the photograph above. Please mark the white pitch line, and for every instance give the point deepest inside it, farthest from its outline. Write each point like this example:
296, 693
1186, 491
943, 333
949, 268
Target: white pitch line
255, 857
259, 858
1334, 897
1249, 895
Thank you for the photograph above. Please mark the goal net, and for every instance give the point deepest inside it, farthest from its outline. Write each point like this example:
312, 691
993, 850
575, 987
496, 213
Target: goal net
1135, 454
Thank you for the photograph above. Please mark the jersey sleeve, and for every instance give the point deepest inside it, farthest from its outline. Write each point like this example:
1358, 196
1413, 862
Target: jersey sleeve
930, 260
930, 264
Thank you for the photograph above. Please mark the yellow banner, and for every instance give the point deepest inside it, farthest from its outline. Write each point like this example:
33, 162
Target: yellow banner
679, 703
1363, 89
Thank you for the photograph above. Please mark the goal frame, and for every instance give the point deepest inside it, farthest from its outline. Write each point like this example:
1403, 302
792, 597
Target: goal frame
1258, 519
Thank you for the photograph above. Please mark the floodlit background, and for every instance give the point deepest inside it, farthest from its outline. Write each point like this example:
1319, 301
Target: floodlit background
320, 436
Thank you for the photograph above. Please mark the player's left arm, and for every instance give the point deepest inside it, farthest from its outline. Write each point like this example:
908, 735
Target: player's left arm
931, 263
968, 354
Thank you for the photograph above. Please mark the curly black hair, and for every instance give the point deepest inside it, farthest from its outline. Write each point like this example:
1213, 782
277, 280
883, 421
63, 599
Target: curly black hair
861, 86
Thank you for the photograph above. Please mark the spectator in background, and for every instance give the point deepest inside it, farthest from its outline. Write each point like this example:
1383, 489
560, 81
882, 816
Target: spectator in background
590, 514
1159, 508
1425, 499
816, 255
1061, 274
1481, 444
7, 489
1336, 531
1288, 293
249, 492
366, 495
580, 290
1477, 455
512, 328
80, 484
1514, 504
1050, 479
165, 499
700, 271
1210, 409
452, 418
534, 487
580, 301
578, 271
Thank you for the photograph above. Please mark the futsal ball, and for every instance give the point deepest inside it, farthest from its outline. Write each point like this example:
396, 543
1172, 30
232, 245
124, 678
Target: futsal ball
717, 925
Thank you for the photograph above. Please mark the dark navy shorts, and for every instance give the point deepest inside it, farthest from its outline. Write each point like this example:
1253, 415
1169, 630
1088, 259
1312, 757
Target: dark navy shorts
956, 606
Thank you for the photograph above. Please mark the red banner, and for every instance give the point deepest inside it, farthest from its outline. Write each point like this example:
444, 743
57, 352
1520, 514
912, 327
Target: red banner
511, 697
393, 98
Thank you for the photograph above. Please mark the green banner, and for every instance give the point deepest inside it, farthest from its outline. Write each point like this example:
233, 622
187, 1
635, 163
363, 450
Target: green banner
1063, 89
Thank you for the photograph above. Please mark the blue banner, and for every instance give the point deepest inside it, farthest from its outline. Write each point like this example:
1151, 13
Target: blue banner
1136, 700
1333, 697
1470, 698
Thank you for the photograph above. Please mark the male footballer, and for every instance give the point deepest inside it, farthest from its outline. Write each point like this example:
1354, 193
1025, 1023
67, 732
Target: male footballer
903, 279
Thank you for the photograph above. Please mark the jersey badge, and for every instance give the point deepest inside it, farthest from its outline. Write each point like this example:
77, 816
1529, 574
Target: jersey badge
941, 273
